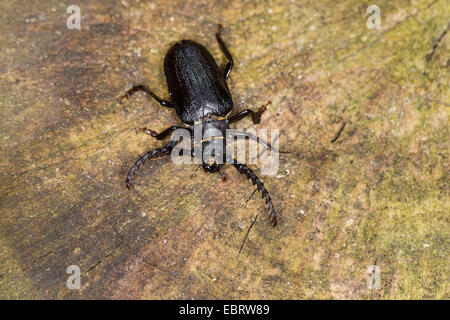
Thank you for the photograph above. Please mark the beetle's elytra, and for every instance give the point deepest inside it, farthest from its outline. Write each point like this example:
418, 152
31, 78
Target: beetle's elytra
200, 96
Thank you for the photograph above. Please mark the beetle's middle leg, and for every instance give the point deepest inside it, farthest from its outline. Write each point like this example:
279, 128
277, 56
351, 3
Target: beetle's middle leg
141, 87
162, 135
226, 52
253, 137
256, 116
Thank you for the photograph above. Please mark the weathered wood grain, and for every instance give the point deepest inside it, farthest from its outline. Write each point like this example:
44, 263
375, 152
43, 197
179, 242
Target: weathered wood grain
377, 195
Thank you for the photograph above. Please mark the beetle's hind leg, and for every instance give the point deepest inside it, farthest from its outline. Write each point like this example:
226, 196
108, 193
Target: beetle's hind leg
162, 135
141, 87
226, 52
256, 116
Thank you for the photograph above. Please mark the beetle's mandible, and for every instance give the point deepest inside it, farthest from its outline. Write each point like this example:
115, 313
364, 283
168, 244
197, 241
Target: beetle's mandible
200, 96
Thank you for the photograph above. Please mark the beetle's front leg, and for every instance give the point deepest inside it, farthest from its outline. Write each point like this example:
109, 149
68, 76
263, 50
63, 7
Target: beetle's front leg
256, 116
162, 135
141, 87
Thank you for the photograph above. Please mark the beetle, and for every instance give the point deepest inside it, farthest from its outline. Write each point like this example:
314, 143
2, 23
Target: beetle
201, 98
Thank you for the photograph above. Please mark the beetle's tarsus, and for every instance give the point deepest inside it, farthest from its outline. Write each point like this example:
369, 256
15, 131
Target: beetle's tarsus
141, 87
219, 28
256, 116
226, 52
147, 131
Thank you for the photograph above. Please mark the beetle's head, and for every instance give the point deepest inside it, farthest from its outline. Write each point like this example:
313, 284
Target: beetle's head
213, 152
211, 165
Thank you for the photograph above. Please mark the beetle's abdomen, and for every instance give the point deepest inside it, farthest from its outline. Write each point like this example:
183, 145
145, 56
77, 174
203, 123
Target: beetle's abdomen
196, 84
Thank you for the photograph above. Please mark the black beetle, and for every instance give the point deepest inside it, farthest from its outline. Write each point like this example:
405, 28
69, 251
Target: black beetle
200, 96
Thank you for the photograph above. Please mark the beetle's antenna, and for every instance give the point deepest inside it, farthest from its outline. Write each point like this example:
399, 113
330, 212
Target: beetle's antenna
160, 152
224, 176
195, 171
243, 168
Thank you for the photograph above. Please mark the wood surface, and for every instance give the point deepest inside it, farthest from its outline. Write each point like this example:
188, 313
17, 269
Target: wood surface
377, 195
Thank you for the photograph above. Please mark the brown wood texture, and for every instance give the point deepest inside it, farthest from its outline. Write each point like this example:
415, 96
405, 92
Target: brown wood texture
378, 195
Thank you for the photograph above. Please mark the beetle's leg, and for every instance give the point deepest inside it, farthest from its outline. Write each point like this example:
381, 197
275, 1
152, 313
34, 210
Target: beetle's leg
164, 151
162, 135
223, 47
256, 116
244, 169
141, 87
253, 137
